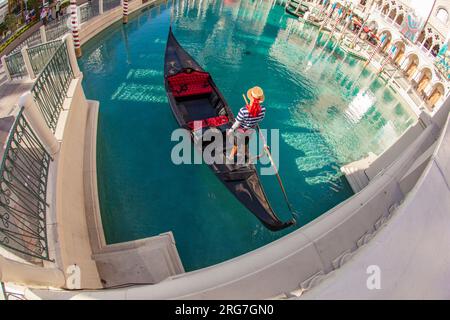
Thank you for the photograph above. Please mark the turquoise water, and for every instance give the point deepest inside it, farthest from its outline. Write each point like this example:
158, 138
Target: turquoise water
328, 110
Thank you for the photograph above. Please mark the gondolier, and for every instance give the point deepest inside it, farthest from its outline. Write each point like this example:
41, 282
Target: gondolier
248, 117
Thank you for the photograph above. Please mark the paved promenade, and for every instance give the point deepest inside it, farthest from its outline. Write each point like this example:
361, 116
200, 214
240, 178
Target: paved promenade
10, 93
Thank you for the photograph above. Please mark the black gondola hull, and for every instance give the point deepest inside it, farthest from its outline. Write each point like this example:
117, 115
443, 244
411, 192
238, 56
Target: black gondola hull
241, 180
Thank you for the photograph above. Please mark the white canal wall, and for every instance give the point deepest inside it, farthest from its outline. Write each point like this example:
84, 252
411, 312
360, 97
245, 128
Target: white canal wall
380, 224
412, 252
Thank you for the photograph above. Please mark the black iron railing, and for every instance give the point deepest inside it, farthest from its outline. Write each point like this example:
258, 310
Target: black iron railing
7, 295
23, 186
88, 11
50, 88
16, 65
57, 28
41, 54
110, 4
33, 40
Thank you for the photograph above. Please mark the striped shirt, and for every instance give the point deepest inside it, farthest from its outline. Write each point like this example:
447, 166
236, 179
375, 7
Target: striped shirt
247, 121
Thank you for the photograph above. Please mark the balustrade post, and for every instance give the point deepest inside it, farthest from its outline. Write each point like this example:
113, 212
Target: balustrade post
72, 55
5, 67
125, 11
100, 7
74, 27
27, 274
26, 60
38, 124
43, 34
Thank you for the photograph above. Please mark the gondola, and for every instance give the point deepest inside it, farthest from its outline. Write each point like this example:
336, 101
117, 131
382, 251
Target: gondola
292, 9
193, 96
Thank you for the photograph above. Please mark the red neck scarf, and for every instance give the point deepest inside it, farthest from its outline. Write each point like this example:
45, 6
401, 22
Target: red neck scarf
254, 108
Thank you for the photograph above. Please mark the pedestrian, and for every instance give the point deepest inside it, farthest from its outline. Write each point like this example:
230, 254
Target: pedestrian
44, 16
58, 9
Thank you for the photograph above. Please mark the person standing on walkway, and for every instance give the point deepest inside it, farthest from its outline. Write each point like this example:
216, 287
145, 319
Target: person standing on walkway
58, 9
44, 16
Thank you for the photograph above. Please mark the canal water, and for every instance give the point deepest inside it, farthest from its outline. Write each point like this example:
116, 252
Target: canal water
329, 111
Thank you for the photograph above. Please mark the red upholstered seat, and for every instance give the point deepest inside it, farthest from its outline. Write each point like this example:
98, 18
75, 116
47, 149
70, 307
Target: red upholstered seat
210, 122
189, 84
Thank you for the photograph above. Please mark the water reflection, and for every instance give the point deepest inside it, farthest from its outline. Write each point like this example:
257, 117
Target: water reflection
328, 109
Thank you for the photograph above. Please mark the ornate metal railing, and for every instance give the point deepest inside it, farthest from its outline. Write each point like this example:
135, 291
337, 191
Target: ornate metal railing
50, 88
110, 4
23, 185
16, 65
6, 295
2, 292
41, 54
85, 12
33, 40
57, 28
88, 11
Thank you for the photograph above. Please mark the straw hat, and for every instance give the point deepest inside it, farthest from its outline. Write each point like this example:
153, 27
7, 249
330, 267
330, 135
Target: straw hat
255, 93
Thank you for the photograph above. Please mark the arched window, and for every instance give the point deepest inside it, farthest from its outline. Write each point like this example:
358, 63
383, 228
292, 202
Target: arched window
378, 5
385, 9
421, 37
442, 15
399, 19
435, 50
392, 14
428, 43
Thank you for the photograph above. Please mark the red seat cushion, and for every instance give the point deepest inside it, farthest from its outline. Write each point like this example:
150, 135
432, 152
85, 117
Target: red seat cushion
210, 122
185, 84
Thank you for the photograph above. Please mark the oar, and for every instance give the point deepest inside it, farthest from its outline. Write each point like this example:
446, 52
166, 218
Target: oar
266, 148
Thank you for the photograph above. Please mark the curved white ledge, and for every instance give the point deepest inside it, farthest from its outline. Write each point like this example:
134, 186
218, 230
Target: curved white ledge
412, 251
316, 252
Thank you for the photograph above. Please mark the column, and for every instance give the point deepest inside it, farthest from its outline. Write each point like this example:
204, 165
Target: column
100, 7
72, 56
75, 28
37, 122
125, 11
43, 34
26, 60
5, 67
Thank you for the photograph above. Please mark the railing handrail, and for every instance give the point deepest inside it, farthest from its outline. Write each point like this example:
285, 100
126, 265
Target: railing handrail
18, 184
50, 104
43, 44
39, 55
49, 61
31, 37
6, 295
15, 64
12, 54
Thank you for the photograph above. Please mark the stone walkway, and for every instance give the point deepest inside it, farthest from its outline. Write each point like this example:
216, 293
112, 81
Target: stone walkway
10, 93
